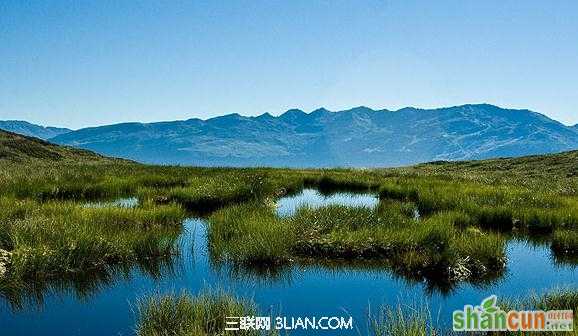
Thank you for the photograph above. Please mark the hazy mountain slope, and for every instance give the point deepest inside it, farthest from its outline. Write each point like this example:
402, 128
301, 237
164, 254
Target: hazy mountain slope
358, 137
26, 128
17, 147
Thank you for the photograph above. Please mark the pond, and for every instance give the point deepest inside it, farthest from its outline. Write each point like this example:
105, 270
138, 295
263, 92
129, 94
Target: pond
298, 291
287, 206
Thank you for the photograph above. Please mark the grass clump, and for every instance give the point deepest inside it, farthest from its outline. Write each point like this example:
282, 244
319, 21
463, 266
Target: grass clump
205, 194
565, 242
559, 299
48, 240
341, 180
403, 320
186, 315
438, 247
250, 233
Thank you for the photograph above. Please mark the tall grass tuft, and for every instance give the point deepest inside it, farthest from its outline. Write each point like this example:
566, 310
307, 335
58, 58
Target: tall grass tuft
565, 242
403, 320
250, 233
185, 315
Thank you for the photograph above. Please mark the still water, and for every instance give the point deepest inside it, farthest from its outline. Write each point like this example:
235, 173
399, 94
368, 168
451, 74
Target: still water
298, 291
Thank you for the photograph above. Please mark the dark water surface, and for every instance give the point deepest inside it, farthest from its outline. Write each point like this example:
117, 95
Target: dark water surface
298, 291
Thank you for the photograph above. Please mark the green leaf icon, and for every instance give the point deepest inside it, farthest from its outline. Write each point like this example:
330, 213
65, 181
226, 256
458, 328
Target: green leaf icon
489, 304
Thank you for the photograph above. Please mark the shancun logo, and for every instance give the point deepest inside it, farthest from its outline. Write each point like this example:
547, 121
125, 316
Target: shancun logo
489, 317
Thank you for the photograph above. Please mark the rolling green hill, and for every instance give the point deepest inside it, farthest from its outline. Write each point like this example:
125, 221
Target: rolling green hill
16, 147
560, 165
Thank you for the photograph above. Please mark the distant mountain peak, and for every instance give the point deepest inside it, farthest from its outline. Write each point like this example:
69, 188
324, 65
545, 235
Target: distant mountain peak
320, 110
228, 116
361, 109
293, 112
265, 115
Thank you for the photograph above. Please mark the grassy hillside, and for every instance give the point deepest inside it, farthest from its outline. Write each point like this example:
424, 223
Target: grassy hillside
18, 148
554, 172
562, 165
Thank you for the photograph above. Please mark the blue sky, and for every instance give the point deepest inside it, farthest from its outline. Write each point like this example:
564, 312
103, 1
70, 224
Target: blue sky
83, 63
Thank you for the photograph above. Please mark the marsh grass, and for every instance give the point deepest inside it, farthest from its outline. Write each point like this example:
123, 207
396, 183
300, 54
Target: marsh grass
565, 242
185, 315
205, 314
403, 320
436, 248
558, 299
52, 239
206, 194
465, 212
503, 208
249, 233
406, 320
332, 182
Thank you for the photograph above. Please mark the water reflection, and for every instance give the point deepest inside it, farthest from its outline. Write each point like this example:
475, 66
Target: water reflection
287, 206
31, 295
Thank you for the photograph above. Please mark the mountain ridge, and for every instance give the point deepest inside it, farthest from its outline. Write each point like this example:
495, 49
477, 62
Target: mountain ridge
357, 137
33, 130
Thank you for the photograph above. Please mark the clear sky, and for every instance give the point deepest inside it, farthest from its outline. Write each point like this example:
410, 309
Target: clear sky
83, 63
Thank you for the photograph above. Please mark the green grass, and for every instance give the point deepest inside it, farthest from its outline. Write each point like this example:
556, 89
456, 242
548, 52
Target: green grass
53, 239
186, 315
435, 248
453, 209
565, 242
559, 299
562, 299
403, 320
19, 148
249, 233
205, 313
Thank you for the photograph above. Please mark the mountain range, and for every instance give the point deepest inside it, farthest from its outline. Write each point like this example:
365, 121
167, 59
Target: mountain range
358, 137
28, 129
